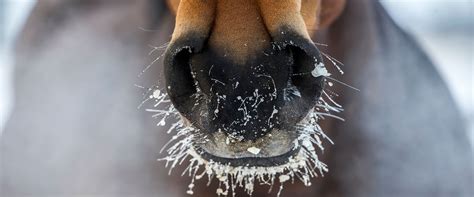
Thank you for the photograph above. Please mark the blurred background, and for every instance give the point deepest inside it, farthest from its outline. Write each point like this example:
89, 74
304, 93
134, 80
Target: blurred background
444, 28
13, 14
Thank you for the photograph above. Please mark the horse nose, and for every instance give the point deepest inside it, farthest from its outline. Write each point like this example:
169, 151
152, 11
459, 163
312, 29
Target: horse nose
244, 99
242, 70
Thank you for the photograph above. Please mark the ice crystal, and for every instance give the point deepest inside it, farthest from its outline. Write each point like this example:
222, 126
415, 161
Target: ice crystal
254, 150
303, 166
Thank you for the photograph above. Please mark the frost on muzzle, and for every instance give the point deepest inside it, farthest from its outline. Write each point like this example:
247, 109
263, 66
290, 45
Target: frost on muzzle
242, 127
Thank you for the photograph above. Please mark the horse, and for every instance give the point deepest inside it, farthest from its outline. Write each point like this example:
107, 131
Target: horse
79, 78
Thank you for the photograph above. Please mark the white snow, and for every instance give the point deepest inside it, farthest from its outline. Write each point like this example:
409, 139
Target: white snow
304, 166
320, 70
283, 178
254, 150
156, 94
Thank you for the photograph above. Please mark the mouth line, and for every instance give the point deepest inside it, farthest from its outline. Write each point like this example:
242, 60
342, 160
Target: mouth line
249, 161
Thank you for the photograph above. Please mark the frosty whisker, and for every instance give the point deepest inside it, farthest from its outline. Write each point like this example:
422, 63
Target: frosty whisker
345, 84
303, 165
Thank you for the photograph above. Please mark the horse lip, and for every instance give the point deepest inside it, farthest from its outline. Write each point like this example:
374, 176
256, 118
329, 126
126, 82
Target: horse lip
273, 149
249, 161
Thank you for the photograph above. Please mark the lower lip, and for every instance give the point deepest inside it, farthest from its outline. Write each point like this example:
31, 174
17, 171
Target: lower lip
249, 161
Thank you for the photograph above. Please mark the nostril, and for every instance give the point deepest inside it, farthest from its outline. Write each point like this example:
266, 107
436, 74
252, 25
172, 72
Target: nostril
303, 76
179, 80
304, 88
180, 83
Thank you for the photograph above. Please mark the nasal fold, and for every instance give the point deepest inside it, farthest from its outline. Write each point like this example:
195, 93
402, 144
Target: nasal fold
238, 31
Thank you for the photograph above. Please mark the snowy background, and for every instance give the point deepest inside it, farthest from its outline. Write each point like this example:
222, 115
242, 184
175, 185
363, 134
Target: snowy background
444, 28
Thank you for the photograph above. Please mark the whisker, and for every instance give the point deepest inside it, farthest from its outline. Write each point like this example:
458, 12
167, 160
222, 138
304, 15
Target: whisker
320, 44
138, 86
345, 84
156, 48
147, 30
143, 102
330, 115
334, 62
330, 99
149, 65
334, 109
334, 59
